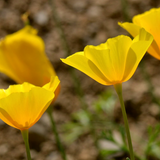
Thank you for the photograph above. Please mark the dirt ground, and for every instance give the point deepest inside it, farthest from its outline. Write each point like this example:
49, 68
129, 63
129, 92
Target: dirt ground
84, 22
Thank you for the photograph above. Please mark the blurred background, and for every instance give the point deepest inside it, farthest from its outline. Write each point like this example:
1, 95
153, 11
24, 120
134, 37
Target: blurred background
67, 26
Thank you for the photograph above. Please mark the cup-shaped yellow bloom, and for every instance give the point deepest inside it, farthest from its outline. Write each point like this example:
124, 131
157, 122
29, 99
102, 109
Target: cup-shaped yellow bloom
23, 58
114, 61
22, 105
150, 21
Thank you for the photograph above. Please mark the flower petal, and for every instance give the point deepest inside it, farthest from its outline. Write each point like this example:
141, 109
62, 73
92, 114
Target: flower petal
53, 84
22, 55
111, 61
26, 87
133, 29
119, 47
80, 62
150, 21
23, 109
137, 50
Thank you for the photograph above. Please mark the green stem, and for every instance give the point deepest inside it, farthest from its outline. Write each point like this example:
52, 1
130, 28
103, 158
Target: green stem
25, 138
118, 88
54, 128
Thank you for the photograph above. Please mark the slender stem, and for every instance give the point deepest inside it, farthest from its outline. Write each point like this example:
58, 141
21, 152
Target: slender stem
25, 138
118, 88
54, 128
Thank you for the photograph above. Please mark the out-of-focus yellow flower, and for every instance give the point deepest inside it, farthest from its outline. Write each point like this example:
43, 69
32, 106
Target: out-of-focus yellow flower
112, 62
22, 105
150, 21
23, 58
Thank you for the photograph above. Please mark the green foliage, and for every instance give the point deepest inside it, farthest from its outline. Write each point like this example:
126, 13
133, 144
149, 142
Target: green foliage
105, 103
114, 138
84, 120
153, 145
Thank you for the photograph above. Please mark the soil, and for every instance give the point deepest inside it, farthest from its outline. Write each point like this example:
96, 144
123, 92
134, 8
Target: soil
84, 22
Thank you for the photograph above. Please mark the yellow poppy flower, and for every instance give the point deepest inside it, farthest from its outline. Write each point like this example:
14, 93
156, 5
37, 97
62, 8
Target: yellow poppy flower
112, 62
22, 105
150, 21
23, 58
